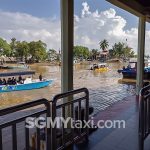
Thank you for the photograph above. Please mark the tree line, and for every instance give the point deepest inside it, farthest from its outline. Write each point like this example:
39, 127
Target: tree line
119, 50
34, 50
37, 50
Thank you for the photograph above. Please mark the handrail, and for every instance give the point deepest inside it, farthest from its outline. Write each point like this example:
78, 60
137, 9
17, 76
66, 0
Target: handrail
144, 115
62, 106
70, 93
14, 121
50, 108
22, 106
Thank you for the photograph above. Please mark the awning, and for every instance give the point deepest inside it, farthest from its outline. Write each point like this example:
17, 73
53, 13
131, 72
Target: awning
8, 74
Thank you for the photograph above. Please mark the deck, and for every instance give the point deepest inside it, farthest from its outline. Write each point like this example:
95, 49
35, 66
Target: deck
109, 139
117, 139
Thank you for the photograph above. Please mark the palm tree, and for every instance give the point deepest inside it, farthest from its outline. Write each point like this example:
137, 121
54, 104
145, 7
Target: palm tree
13, 46
94, 53
103, 44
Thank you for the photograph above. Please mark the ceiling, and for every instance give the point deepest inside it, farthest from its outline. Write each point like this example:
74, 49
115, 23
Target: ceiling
136, 7
145, 3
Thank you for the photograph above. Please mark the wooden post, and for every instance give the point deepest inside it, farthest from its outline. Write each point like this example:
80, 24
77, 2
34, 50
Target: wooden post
141, 50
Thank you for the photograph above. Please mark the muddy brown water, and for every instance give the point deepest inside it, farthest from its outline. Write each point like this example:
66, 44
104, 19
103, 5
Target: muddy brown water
104, 87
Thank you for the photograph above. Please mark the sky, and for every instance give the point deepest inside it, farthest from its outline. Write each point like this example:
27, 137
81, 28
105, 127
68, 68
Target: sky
94, 20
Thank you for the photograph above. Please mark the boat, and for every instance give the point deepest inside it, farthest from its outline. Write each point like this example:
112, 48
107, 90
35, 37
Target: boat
113, 60
20, 65
102, 67
3, 67
131, 66
130, 71
29, 83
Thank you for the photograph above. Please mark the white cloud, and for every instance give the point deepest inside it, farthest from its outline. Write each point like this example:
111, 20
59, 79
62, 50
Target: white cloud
90, 28
26, 27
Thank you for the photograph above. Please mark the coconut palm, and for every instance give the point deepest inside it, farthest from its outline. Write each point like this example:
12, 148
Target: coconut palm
13, 46
103, 44
94, 53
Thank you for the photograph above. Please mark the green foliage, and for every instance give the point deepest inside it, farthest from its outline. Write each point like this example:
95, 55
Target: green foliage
121, 50
13, 46
4, 48
37, 50
104, 44
22, 50
81, 51
94, 53
53, 55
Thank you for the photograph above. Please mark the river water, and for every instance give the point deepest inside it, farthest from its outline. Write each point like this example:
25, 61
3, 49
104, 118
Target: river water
104, 87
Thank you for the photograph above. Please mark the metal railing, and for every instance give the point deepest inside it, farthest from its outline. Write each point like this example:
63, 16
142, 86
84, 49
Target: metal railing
13, 127
144, 115
12, 123
77, 111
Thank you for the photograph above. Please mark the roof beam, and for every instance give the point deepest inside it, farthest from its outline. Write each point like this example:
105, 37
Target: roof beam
132, 7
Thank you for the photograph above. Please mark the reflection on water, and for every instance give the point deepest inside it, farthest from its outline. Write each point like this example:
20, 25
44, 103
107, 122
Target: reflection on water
104, 87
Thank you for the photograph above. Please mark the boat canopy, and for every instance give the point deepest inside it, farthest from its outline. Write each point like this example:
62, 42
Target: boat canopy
102, 64
8, 74
22, 62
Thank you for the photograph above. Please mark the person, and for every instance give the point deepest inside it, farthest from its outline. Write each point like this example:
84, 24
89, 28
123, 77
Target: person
4, 81
123, 67
9, 81
13, 81
20, 79
1, 82
129, 66
40, 77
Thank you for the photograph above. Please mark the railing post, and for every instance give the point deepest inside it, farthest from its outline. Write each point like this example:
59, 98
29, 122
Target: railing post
141, 50
53, 129
141, 122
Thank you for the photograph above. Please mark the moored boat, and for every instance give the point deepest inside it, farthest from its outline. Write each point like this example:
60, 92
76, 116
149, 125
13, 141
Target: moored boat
130, 71
20, 65
3, 67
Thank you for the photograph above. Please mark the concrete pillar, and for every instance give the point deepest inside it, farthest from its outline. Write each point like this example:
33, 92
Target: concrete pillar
67, 25
141, 50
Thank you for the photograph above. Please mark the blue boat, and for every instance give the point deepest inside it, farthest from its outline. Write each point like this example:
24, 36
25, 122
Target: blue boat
130, 72
33, 84
28, 86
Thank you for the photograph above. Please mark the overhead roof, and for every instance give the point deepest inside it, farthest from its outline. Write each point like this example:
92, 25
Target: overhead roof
136, 7
8, 74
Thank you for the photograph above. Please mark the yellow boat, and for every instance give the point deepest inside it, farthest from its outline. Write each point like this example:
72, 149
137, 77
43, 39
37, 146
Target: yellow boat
103, 67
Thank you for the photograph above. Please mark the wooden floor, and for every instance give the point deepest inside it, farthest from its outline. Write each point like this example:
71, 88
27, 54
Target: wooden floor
117, 139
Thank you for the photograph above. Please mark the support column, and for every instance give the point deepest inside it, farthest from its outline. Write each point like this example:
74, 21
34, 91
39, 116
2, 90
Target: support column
141, 52
67, 24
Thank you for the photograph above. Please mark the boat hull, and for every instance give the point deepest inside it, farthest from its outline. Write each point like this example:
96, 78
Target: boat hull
17, 67
101, 69
4, 67
132, 75
29, 86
